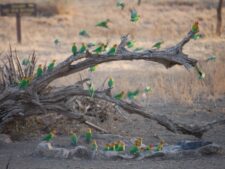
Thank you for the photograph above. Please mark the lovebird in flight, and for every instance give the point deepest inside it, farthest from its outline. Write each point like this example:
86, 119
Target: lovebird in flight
103, 24
134, 16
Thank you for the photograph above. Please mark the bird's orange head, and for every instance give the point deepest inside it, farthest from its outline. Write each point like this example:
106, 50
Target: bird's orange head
115, 45
40, 65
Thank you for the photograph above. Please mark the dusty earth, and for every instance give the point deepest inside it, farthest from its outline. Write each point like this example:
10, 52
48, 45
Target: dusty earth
175, 92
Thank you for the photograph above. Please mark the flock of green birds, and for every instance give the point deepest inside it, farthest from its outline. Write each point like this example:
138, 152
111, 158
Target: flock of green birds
101, 48
118, 145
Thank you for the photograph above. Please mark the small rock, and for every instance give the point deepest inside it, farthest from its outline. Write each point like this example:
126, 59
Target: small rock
210, 149
5, 139
45, 149
80, 152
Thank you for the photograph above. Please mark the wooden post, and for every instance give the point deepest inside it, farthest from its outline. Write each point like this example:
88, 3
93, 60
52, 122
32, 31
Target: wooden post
18, 27
139, 2
219, 18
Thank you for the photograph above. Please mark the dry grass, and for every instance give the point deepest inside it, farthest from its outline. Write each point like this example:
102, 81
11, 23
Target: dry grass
163, 19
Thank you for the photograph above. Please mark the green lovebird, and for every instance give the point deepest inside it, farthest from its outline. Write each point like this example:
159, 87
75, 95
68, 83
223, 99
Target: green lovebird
74, 49
197, 36
130, 44
91, 89
134, 17
24, 83
73, 139
195, 28
211, 58
120, 95
147, 89
100, 48
157, 45
39, 71
110, 83
49, 137
94, 145
112, 51
84, 33
92, 68
107, 147
88, 135
25, 62
132, 94
51, 65
134, 150
82, 48
120, 4
103, 24
201, 74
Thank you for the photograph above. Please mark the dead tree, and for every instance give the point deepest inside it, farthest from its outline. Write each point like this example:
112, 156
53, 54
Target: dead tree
219, 17
38, 99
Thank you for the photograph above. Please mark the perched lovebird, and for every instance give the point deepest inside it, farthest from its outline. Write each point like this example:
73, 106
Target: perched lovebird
201, 74
130, 44
24, 83
49, 137
112, 147
147, 89
161, 145
100, 48
74, 49
107, 147
39, 71
157, 45
134, 17
134, 150
120, 4
195, 27
138, 142
25, 62
112, 51
73, 139
110, 83
103, 24
84, 33
51, 65
82, 48
211, 58
94, 145
116, 143
132, 94
88, 135
120, 95
92, 68
197, 36
91, 89
121, 146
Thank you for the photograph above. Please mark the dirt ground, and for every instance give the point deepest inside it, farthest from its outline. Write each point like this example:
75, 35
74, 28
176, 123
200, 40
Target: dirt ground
176, 92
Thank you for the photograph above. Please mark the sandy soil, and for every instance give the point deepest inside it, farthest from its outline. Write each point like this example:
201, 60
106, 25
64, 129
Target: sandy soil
176, 92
